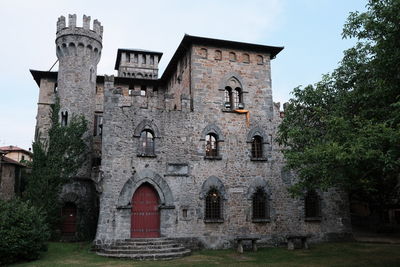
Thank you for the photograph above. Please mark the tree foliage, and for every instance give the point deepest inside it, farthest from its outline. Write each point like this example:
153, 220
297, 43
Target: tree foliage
23, 231
344, 130
54, 162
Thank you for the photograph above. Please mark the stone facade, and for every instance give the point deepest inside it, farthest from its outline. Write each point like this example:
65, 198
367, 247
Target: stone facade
181, 110
10, 177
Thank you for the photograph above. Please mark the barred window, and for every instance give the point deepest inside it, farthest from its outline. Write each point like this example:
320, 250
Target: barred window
213, 205
237, 97
312, 205
256, 147
260, 205
147, 142
228, 97
211, 145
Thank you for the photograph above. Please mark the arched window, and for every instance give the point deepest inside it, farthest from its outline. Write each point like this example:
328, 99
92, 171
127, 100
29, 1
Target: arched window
246, 58
213, 205
233, 98
232, 56
260, 60
203, 53
211, 145
228, 97
237, 98
312, 205
218, 55
256, 147
260, 205
147, 142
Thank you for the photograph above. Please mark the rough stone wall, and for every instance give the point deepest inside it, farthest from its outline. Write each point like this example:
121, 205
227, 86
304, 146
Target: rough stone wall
43, 117
180, 172
7, 181
178, 93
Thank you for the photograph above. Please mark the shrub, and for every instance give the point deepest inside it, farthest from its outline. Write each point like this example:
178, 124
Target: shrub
23, 231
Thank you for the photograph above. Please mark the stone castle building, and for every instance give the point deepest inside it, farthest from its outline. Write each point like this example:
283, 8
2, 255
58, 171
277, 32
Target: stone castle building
189, 155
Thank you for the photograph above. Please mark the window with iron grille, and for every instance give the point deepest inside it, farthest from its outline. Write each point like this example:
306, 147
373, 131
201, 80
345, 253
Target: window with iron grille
256, 147
228, 97
260, 205
147, 142
237, 98
312, 205
211, 145
213, 205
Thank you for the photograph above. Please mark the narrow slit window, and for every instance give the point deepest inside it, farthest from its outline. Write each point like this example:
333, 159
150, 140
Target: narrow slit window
64, 118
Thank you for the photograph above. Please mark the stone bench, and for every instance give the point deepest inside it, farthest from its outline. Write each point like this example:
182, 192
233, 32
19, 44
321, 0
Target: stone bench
293, 239
240, 240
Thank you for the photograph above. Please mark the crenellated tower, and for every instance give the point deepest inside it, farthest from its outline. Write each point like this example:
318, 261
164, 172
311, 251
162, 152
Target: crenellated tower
78, 51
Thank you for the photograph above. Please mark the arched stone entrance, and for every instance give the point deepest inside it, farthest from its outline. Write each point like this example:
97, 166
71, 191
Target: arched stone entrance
145, 214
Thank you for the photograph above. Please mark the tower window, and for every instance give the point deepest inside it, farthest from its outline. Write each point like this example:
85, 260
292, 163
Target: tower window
144, 60
147, 142
213, 205
55, 88
64, 118
98, 125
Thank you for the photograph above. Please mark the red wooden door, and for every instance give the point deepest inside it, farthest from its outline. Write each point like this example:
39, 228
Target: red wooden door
145, 218
68, 213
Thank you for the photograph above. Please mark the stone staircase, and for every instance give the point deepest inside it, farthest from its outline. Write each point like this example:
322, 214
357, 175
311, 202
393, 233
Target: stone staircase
145, 249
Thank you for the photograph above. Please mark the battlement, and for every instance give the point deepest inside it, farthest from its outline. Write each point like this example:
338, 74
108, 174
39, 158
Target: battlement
62, 26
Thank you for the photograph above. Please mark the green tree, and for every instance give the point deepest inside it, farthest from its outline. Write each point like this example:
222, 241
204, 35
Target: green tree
23, 231
344, 130
54, 162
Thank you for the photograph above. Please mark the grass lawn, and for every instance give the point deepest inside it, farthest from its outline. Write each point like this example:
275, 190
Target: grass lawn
328, 254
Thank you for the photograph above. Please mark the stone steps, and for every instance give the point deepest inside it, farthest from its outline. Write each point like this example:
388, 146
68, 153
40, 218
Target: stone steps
144, 249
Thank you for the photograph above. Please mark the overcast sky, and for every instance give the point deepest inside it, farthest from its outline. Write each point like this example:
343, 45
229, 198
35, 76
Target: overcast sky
310, 31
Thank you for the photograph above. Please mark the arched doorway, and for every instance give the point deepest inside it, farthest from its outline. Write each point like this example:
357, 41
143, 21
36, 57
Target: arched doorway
145, 217
68, 213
